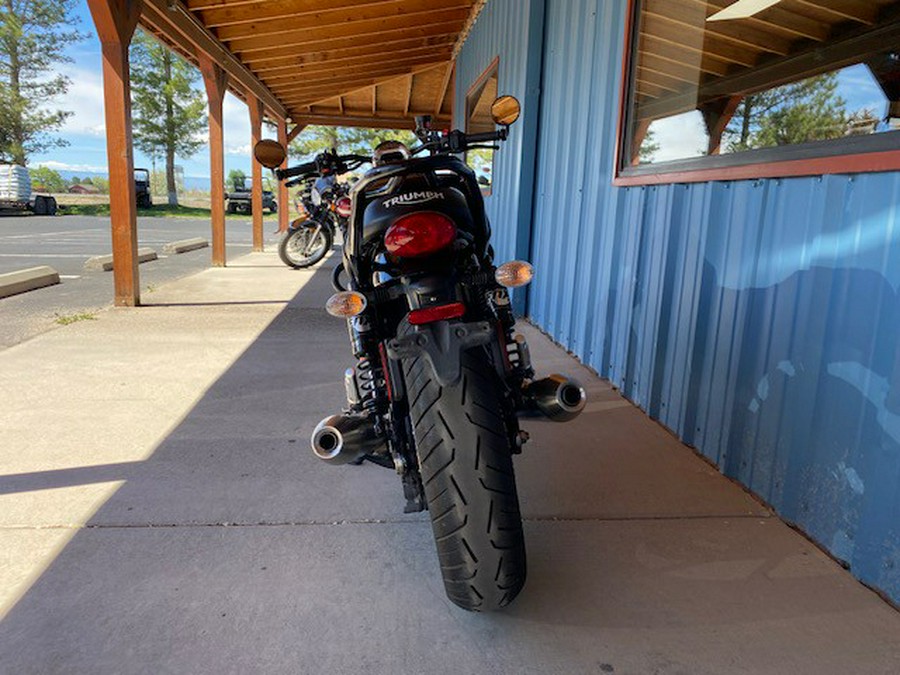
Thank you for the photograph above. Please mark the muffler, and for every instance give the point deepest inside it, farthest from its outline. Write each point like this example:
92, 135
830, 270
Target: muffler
342, 439
557, 397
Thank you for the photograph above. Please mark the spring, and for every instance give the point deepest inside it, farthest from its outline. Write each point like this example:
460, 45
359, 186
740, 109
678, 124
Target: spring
370, 382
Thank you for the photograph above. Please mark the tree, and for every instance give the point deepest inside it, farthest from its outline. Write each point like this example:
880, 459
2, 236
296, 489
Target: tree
809, 110
33, 38
44, 179
235, 179
168, 107
314, 139
649, 147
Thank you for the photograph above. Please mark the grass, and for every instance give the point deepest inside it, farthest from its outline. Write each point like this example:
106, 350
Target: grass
159, 210
66, 319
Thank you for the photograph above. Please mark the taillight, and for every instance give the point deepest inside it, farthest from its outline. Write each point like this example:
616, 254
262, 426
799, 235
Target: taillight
418, 234
343, 206
454, 310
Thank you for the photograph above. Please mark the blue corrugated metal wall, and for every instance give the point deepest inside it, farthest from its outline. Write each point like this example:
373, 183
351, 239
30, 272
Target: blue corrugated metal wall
507, 28
759, 320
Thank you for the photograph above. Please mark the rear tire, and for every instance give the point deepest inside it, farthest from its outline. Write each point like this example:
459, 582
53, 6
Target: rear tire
292, 245
466, 465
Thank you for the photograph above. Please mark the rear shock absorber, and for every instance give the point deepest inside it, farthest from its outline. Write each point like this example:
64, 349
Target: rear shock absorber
365, 384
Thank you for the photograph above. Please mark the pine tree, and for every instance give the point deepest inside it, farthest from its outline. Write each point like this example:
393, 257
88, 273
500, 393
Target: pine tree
168, 107
809, 110
347, 140
33, 37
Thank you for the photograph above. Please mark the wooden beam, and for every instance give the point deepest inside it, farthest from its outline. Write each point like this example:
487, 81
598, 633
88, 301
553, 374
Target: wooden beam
842, 51
477, 6
184, 29
355, 56
115, 21
364, 119
361, 31
372, 72
793, 24
637, 140
716, 115
217, 13
313, 47
284, 203
409, 91
216, 81
442, 92
255, 107
416, 11
861, 11
317, 96
298, 128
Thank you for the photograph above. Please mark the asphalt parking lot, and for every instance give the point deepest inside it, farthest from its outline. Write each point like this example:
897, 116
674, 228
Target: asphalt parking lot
65, 243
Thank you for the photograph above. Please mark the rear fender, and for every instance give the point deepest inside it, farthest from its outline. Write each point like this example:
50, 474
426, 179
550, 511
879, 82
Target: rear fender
442, 343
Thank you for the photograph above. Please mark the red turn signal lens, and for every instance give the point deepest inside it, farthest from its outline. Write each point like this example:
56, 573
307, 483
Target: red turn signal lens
438, 313
419, 234
343, 206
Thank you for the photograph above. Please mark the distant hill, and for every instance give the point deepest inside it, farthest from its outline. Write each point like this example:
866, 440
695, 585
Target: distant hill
190, 182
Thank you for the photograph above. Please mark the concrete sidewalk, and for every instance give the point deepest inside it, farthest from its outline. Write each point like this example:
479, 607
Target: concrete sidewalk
160, 512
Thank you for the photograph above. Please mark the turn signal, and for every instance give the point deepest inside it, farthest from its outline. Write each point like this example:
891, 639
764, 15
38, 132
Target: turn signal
346, 304
514, 273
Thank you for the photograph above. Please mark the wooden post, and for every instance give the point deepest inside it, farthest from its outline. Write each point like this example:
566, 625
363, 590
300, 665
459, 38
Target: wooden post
283, 202
716, 115
115, 21
640, 133
256, 116
215, 80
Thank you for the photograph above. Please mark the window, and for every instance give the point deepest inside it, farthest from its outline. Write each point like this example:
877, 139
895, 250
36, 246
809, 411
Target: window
478, 120
753, 88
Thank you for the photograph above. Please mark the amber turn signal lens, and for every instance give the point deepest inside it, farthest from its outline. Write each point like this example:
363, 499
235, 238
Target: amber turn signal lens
346, 304
515, 273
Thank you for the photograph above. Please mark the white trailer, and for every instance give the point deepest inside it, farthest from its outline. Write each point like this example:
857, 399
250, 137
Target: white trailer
15, 192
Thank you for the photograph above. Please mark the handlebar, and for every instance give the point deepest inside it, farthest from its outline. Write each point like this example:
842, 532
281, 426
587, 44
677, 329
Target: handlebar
499, 135
306, 167
326, 159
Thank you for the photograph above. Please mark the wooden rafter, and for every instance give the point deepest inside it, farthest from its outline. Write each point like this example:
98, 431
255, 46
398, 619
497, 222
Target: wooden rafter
442, 92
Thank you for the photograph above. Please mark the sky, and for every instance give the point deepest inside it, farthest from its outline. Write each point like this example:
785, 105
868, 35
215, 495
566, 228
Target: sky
678, 137
86, 132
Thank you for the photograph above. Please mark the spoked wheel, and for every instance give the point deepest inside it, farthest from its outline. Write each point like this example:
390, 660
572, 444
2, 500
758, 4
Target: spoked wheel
305, 245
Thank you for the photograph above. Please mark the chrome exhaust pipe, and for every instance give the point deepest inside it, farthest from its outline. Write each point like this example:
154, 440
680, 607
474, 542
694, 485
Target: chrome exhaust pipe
342, 439
557, 397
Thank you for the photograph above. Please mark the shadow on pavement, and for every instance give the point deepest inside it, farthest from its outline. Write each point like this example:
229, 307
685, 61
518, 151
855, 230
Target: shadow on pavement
231, 549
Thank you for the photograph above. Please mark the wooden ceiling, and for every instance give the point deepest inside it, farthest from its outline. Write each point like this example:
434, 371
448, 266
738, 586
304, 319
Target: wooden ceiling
686, 62
351, 62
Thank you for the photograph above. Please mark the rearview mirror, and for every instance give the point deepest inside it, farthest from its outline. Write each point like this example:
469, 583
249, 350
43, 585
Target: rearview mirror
505, 110
269, 153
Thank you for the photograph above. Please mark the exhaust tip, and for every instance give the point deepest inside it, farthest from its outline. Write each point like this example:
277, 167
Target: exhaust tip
557, 397
572, 397
327, 443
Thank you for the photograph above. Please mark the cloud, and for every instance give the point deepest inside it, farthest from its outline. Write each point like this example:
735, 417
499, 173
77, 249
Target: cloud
63, 166
679, 137
84, 99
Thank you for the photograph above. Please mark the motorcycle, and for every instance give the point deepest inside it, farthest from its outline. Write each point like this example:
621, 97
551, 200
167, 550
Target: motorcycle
325, 207
441, 378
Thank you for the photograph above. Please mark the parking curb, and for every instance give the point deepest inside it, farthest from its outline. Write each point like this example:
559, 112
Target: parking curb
21, 281
105, 262
185, 245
